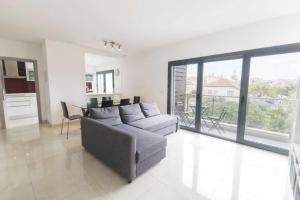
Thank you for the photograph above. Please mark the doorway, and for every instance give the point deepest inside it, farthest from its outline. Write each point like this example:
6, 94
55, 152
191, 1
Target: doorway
184, 90
20, 100
247, 97
220, 97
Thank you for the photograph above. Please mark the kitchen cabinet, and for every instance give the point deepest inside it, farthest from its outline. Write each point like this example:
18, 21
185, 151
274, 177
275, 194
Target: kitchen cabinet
20, 106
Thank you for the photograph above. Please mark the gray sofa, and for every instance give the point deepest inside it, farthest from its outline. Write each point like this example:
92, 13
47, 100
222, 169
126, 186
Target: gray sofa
129, 139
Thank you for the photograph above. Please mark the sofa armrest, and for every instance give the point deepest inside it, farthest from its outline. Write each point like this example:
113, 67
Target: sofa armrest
114, 146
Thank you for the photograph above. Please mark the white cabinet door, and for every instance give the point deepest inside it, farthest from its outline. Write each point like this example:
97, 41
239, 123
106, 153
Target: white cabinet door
21, 106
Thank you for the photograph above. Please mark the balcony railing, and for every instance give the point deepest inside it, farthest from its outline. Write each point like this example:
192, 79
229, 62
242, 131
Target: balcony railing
271, 115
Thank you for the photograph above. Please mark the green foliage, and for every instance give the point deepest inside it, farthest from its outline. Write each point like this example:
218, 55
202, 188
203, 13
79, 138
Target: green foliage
263, 89
269, 107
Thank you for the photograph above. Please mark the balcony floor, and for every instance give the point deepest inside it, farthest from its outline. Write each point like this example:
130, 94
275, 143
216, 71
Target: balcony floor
229, 132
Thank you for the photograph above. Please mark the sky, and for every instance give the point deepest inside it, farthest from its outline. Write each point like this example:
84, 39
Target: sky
283, 66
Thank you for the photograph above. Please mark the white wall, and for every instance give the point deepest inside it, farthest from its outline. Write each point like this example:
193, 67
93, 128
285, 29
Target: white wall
65, 71
16, 49
150, 67
66, 76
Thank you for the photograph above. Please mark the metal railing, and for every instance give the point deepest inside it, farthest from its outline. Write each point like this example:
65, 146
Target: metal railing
266, 113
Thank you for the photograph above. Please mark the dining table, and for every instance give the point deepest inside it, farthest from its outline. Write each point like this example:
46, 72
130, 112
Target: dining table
84, 108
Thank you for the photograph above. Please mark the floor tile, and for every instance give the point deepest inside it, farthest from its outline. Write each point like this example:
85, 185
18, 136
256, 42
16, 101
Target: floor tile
36, 162
18, 192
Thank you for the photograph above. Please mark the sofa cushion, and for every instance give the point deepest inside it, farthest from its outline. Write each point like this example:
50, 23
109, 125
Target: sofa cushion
150, 109
109, 115
147, 143
154, 123
131, 113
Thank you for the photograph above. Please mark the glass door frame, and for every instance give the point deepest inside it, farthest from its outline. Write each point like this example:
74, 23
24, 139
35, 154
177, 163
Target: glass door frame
223, 57
241, 122
170, 90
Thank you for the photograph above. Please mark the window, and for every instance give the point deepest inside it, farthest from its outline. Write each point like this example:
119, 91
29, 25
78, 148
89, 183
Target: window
249, 96
105, 81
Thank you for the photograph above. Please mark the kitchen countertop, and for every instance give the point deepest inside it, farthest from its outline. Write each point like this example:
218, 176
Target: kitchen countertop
107, 94
20, 95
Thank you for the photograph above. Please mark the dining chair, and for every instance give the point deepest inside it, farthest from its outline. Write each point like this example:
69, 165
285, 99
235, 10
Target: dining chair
67, 116
216, 121
92, 103
107, 103
136, 99
124, 102
106, 98
184, 116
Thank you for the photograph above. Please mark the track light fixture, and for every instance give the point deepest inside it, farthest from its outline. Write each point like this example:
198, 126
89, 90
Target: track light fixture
112, 45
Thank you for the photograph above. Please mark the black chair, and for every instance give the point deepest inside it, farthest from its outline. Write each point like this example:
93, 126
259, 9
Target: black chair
92, 103
204, 117
136, 99
124, 102
107, 103
215, 121
85, 112
106, 98
180, 111
67, 116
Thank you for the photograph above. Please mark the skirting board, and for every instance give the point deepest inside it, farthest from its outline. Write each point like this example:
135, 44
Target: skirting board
65, 123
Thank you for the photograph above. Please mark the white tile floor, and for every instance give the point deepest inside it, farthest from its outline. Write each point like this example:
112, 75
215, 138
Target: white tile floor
36, 162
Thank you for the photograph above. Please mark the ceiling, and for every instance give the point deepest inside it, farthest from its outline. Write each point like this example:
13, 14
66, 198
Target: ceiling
136, 24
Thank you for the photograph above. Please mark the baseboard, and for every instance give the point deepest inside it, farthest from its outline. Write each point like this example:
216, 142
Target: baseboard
65, 123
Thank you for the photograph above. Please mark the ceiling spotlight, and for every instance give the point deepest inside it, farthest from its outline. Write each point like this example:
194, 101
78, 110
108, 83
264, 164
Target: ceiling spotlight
112, 45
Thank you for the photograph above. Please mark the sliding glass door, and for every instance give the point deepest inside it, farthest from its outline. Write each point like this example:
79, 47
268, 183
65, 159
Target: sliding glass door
271, 102
220, 97
184, 89
249, 97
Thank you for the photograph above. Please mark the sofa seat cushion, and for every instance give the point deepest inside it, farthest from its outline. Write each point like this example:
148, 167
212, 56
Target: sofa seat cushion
131, 113
150, 109
147, 143
154, 123
109, 115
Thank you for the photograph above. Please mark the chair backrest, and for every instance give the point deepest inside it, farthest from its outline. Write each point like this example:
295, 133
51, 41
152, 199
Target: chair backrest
204, 111
136, 99
223, 113
65, 109
124, 102
84, 112
107, 103
92, 103
106, 98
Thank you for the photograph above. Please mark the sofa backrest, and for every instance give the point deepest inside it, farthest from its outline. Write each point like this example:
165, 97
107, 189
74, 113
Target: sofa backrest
108, 115
150, 109
131, 113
